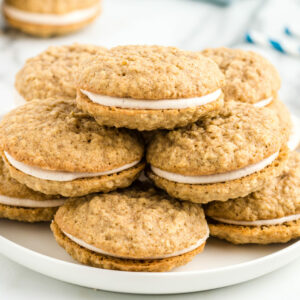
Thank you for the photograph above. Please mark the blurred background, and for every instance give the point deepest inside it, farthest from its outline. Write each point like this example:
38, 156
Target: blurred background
271, 26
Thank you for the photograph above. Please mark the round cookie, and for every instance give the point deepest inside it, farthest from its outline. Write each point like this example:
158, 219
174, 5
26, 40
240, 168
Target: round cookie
270, 215
149, 87
250, 77
54, 148
50, 17
220, 157
136, 229
51, 73
18, 202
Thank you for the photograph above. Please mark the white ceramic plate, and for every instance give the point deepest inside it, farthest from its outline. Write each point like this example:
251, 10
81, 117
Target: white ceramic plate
221, 264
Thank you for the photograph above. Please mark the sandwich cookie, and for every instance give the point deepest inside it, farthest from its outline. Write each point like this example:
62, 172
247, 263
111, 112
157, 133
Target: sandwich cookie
51, 73
250, 77
220, 157
138, 229
149, 87
271, 215
50, 17
54, 148
18, 202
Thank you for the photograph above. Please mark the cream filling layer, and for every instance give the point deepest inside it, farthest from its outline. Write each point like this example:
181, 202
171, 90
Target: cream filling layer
11, 201
260, 222
294, 139
51, 19
152, 104
222, 177
18, 98
60, 175
263, 103
100, 251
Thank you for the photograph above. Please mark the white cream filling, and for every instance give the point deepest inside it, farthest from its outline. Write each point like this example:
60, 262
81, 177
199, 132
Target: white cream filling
222, 177
100, 251
18, 98
60, 175
260, 222
263, 103
51, 19
152, 104
11, 201
294, 139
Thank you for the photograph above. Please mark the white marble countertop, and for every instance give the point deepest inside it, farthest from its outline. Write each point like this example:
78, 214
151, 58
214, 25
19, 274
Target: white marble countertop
189, 24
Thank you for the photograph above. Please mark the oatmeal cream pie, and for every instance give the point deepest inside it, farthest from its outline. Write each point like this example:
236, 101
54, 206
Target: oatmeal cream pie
137, 229
250, 77
225, 156
54, 148
51, 73
149, 87
270, 215
50, 17
18, 202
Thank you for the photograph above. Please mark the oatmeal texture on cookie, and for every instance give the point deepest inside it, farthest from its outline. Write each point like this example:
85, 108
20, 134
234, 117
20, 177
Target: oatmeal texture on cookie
97, 260
55, 135
51, 6
240, 135
222, 191
249, 76
51, 74
280, 198
135, 223
281, 233
151, 72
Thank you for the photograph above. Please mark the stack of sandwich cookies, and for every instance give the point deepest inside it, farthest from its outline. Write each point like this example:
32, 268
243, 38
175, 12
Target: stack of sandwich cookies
53, 148
149, 87
137, 229
271, 215
50, 17
250, 78
51, 74
18, 202
220, 157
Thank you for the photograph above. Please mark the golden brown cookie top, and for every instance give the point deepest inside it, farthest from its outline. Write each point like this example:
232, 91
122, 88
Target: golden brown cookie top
51, 74
240, 135
279, 199
11, 188
51, 6
137, 222
151, 72
249, 76
55, 135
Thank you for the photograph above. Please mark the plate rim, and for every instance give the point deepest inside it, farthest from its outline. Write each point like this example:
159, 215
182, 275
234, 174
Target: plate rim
157, 275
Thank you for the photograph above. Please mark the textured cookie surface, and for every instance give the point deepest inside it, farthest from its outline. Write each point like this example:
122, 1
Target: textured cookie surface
256, 234
50, 6
249, 76
281, 197
222, 191
137, 222
146, 119
55, 135
11, 188
23, 214
240, 135
151, 72
283, 114
90, 258
81, 186
51, 74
